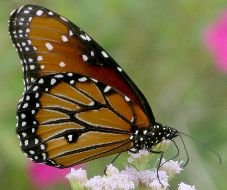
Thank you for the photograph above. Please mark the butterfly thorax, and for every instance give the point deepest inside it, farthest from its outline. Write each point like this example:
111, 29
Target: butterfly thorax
148, 138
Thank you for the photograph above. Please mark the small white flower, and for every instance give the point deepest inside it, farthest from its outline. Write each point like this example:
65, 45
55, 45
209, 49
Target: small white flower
77, 178
149, 179
111, 170
132, 174
121, 181
79, 174
183, 186
117, 181
95, 183
155, 185
171, 167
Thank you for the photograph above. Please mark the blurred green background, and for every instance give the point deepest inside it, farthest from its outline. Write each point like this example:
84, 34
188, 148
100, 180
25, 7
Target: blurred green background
159, 44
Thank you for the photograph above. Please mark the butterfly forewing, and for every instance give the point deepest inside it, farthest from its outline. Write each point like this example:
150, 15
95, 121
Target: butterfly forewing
48, 43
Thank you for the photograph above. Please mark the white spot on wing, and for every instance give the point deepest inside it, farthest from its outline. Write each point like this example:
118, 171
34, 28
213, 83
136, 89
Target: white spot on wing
25, 105
83, 79
58, 76
104, 54
64, 38
32, 67
72, 82
62, 64
107, 88
49, 46
63, 18
127, 98
85, 58
87, 37
94, 80
91, 104
70, 137
39, 12
119, 69
26, 142
39, 58
27, 97
53, 81
26, 11
24, 134
36, 141
35, 88
44, 156
70, 33
83, 37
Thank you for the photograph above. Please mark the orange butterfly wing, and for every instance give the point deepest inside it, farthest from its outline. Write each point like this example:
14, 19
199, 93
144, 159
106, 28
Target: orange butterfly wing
48, 43
82, 121
78, 104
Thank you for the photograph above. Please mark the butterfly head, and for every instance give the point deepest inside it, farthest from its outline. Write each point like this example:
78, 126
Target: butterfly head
169, 133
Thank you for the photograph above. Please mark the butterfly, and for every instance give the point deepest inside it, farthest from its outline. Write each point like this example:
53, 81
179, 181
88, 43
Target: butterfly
78, 103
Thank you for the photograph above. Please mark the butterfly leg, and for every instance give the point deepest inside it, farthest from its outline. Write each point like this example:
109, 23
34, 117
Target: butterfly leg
178, 151
159, 163
133, 151
115, 158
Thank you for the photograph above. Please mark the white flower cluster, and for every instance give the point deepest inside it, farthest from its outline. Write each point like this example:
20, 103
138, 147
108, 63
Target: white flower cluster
183, 186
171, 167
130, 177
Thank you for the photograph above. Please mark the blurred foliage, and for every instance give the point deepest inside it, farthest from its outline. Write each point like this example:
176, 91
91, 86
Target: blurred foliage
158, 43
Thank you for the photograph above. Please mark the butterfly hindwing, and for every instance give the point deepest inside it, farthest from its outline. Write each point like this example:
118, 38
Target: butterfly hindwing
66, 119
49, 44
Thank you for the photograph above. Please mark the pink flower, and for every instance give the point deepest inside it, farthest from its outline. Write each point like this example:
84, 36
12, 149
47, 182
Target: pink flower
43, 176
215, 38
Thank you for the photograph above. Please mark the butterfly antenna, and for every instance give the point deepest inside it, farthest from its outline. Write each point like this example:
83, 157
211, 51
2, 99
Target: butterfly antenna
186, 163
175, 156
203, 144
